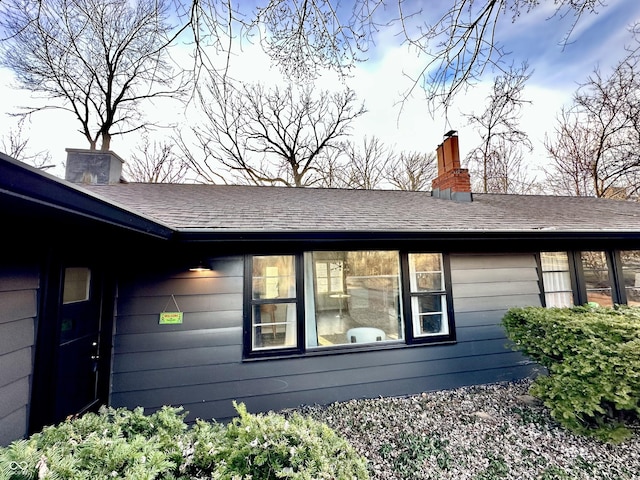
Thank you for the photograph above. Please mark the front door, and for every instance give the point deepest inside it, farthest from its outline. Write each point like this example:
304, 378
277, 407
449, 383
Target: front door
78, 353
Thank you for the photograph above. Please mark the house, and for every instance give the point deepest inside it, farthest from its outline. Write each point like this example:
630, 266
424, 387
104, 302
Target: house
197, 295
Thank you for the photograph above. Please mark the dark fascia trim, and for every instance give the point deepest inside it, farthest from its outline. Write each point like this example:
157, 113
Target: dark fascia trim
349, 236
32, 186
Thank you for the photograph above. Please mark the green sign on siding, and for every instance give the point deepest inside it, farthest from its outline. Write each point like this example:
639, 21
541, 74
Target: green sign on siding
170, 318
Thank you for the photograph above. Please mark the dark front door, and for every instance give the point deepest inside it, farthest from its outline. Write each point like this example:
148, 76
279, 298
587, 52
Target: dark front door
78, 355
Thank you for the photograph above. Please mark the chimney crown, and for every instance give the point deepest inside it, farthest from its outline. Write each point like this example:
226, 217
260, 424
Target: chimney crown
94, 167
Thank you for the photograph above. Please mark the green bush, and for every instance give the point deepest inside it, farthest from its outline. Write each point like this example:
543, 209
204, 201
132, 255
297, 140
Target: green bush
593, 359
114, 443
264, 447
118, 443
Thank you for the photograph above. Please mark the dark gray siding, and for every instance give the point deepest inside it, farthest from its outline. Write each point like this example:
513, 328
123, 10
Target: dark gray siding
199, 364
18, 310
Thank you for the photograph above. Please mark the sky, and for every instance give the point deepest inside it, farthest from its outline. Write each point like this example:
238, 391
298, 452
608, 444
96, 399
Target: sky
537, 37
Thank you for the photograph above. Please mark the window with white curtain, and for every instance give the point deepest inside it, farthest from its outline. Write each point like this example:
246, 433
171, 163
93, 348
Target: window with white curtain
556, 279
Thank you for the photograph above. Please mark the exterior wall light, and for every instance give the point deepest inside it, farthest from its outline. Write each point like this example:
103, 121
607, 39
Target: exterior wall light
200, 267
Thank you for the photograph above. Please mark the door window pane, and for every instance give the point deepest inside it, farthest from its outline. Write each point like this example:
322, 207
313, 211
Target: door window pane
556, 279
273, 309
630, 260
77, 281
354, 297
596, 277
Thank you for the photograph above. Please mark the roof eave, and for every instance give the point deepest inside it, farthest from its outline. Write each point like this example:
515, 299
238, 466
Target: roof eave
32, 186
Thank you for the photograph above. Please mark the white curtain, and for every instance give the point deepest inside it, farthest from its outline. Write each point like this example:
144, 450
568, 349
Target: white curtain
556, 279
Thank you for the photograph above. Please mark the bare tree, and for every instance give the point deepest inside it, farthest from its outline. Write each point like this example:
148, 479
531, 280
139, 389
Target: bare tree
412, 171
268, 136
303, 36
596, 148
98, 60
497, 157
365, 167
102, 60
331, 168
462, 42
16, 145
155, 162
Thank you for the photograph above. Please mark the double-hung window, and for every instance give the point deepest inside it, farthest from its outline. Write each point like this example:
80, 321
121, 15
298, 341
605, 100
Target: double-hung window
323, 300
556, 279
428, 295
274, 301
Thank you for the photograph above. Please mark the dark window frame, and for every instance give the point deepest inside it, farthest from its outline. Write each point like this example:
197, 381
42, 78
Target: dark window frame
578, 283
249, 303
301, 350
410, 337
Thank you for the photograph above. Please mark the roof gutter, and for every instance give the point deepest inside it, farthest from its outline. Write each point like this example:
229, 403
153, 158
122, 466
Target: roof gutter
197, 236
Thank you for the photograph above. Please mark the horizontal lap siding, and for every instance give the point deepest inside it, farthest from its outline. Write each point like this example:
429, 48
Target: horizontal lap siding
18, 310
155, 365
484, 287
199, 364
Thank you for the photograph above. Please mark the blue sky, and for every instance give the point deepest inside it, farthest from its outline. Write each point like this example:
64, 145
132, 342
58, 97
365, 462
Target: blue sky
598, 40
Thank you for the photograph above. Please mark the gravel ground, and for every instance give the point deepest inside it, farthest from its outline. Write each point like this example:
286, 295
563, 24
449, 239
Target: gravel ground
481, 432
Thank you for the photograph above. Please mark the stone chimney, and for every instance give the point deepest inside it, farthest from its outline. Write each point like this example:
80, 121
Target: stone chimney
453, 182
93, 167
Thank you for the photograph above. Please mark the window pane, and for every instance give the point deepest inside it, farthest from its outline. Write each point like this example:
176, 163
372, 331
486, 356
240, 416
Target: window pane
76, 285
554, 261
425, 272
556, 280
362, 303
273, 326
274, 277
559, 299
596, 277
429, 315
630, 260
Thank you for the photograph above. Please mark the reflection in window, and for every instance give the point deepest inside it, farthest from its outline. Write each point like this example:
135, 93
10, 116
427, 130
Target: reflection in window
273, 312
630, 260
76, 284
596, 277
556, 279
329, 277
428, 296
353, 297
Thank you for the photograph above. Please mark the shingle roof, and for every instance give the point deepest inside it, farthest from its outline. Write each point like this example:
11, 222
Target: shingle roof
226, 208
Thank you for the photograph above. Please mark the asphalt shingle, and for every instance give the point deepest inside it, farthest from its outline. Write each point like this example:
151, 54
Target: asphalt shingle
215, 208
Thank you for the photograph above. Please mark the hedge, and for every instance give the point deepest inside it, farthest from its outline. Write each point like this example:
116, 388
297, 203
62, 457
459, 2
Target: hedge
593, 359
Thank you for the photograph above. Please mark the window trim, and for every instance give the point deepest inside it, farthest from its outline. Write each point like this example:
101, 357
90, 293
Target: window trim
301, 349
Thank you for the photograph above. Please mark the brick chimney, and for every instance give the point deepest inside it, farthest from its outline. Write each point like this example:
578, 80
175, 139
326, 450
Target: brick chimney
453, 182
93, 167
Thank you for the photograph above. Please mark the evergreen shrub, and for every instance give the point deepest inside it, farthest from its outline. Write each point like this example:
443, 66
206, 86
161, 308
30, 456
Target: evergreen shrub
124, 444
593, 361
